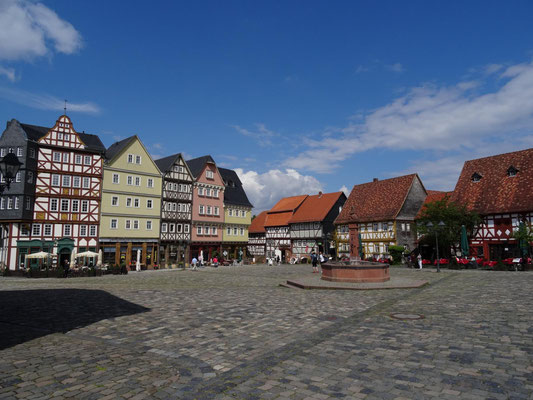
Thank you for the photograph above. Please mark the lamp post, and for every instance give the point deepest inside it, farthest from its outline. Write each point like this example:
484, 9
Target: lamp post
430, 226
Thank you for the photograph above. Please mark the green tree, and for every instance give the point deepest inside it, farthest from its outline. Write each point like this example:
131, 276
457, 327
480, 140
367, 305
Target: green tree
524, 236
453, 215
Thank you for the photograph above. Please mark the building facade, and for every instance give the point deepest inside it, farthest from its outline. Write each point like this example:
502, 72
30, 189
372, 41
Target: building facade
208, 208
131, 205
383, 213
257, 237
311, 227
500, 189
176, 211
237, 216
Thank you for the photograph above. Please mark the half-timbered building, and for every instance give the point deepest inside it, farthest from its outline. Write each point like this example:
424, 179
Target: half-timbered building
257, 237
500, 189
278, 238
311, 226
176, 211
237, 216
131, 205
208, 208
68, 184
383, 212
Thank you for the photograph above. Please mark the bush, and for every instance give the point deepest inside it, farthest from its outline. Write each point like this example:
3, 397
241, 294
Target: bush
396, 253
122, 269
500, 266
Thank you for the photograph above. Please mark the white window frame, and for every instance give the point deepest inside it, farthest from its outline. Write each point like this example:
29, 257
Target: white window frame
93, 230
214, 231
136, 224
85, 206
138, 160
56, 157
129, 180
129, 202
199, 230
86, 183
164, 227
127, 224
77, 159
150, 182
116, 179
149, 225
113, 224
36, 230
209, 174
65, 182
76, 181
136, 202
201, 209
138, 181
75, 206
186, 228
150, 203
54, 204
130, 158
87, 160
83, 230
114, 201
47, 230
55, 180
67, 230
63, 203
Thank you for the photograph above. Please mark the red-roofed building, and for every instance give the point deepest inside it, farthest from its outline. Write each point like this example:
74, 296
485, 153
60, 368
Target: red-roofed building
257, 236
278, 240
311, 226
383, 212
500, 189
433, 195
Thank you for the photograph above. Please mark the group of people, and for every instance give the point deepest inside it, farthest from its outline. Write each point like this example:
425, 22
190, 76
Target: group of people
315, 259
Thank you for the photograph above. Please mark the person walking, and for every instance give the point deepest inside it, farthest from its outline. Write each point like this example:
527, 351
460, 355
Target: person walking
314, 261
194, 262
419, 258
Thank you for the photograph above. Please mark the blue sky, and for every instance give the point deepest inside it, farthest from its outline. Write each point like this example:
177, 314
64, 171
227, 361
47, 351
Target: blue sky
298, 96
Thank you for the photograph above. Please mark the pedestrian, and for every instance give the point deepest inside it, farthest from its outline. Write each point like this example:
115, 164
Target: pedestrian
66, 267
215, 261
419, 258
201, 260
270, 261
193, 262
314, 261
278, 261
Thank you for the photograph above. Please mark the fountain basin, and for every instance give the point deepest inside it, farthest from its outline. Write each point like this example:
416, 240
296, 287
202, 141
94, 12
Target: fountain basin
355, 271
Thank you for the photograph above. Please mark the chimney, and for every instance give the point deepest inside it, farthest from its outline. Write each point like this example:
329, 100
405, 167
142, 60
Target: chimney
319, 194
375, 180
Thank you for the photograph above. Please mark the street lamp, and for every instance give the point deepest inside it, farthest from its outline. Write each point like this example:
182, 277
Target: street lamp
441, 224
9, 166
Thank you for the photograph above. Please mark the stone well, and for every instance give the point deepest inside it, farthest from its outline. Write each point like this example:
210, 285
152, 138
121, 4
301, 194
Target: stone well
355, 271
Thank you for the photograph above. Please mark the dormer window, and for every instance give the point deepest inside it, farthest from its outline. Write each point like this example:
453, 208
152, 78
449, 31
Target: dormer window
209, 174
512, 171
476, 177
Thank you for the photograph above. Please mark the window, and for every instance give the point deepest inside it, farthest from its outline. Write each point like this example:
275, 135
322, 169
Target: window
137, 159
128, 201
186, 228
76, 181
114, 223
83, 230
174, 206
214, 230
215, 193
217, 211
243, 214
114, 201
19, 151
28, 203
57, 156
32, 153
66, 181
179, 228
206, 230
137, 181
77, 159
67, 137
24, 230
201, 210
136, 203
53, 204
16, 203
408, 227
199, 230
403, 227
135, 224
86, 182
200, 191
476, 177
128, 224
150, 182
228, 231
171, 228
65, 157
235, 231
75, 206
84, 206
130, 180
60, 135
512, 171
55, 180
116, 178
209, 209
92, 230
36, 230
67, 230
2, 152
230, 212
87, 160
64, 205
48, 230
164, 227
242, 231
148, 225
130, 158
209, 174
376, 226
17, 177
149, 204
208, 192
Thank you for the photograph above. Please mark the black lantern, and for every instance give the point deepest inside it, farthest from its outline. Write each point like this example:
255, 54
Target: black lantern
9, 166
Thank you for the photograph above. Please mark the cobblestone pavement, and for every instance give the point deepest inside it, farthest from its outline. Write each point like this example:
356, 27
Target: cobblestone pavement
233, 333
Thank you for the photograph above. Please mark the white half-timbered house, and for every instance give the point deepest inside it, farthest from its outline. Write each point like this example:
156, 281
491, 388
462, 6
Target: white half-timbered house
176, 210
257, 237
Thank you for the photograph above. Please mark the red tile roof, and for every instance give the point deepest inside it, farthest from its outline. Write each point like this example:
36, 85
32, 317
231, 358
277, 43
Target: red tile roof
433, 195
288, 203
315, 208
278, 219
496, 192
258, 223
377, 200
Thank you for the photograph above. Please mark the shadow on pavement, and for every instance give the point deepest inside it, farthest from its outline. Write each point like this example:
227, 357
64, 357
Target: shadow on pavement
29, 314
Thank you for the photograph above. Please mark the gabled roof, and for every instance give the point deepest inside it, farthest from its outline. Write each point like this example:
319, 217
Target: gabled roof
116, 148
166, 163
496, 192
234, 192
315, 208
433, 195
92, 142
377, 200
196, 165
258, 223
282, 212
278, 219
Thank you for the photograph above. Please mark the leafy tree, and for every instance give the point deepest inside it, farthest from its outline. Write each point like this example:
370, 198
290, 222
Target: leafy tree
396, 253
524, 234
453, 215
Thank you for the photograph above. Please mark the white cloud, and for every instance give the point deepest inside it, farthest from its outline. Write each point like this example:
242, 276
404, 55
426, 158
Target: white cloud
9, 73
29, 29
265, 190
261, 134
457, 117
345, 190
397, 67
45, 102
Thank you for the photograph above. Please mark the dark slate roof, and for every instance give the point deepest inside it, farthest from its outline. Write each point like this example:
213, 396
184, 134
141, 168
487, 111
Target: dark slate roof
234, 192
92, 142
196, 165
164, 164
117, 147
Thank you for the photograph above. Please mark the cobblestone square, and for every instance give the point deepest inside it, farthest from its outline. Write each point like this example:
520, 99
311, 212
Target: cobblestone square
234, 333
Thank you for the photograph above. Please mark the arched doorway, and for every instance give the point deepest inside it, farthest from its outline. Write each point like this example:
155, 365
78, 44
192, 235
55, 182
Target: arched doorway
64, 256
